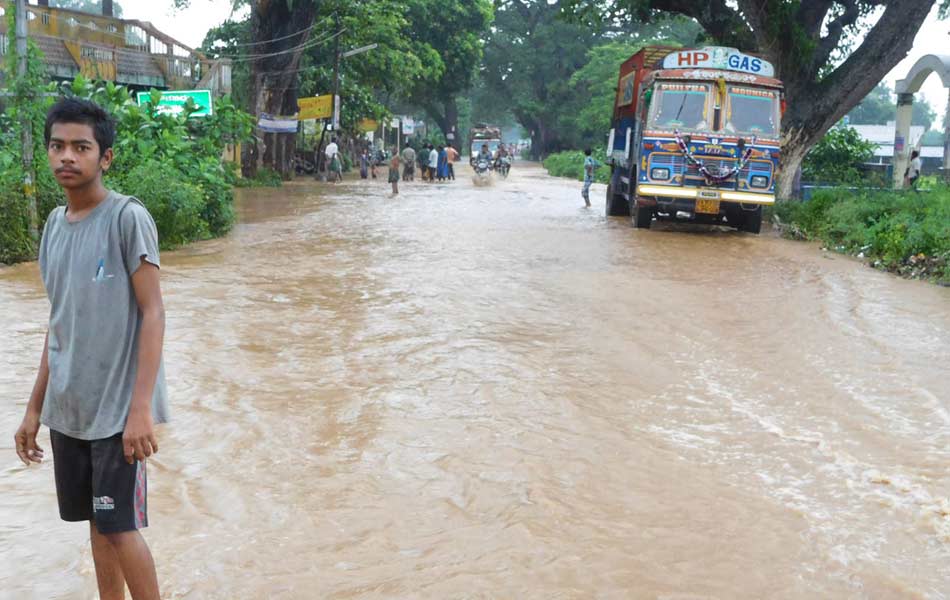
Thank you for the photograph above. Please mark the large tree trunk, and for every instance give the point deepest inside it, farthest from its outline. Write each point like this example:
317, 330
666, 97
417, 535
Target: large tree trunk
452, 123
815, 106
274, 75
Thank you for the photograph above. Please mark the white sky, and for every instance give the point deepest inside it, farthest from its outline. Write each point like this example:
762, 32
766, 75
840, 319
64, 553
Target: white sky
190, 26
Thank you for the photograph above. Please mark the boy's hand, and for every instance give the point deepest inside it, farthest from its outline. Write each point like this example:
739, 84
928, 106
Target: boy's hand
26, 447
138, 440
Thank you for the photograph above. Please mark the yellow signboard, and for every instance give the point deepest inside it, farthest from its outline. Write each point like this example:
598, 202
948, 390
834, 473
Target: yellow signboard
317, 107
368, 125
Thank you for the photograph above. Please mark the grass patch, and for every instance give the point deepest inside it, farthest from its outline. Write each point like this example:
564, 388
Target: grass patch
570, 163
903, 232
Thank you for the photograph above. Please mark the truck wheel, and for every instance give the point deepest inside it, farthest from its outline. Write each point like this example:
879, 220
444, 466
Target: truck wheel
642, 217
616, 205
751, 221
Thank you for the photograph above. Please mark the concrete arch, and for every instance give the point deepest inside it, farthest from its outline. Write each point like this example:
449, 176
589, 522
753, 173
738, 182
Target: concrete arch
906, 88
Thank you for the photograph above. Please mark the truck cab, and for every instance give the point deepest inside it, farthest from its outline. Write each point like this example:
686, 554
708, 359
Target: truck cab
695, 137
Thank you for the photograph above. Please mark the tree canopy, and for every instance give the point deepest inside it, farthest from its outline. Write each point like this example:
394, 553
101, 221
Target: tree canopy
879, 107
812, 43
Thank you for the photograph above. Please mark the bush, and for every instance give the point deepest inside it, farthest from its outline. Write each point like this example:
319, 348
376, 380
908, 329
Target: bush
899, 231
570, 163
838, 157
266, 177
177, 209
173, 164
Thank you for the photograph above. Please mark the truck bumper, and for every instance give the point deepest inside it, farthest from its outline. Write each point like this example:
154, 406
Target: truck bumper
653, 193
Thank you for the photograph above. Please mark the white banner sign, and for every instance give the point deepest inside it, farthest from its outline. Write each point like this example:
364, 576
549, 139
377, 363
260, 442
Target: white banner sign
272, 124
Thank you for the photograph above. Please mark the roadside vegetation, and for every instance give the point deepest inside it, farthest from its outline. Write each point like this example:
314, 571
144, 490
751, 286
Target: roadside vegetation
570, 163
903, 232
173, 164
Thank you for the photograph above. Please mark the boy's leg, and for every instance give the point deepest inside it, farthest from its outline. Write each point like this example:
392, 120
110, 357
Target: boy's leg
136, 564
108, 569
119, 505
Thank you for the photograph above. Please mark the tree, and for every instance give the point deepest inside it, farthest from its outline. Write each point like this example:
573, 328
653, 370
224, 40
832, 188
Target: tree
553, 74
89, 6
529, 61
447, 36
837, 157
879, 108
810, 42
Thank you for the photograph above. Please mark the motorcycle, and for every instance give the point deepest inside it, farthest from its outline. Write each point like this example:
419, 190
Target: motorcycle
482, 167
503, 166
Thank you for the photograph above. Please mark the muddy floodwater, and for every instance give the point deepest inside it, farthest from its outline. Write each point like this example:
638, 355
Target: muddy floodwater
491, 392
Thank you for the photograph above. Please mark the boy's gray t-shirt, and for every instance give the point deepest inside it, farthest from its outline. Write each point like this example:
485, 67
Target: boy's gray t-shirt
95, 320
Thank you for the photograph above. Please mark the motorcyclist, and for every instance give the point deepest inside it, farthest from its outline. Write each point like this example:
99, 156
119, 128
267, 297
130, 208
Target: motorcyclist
484, 154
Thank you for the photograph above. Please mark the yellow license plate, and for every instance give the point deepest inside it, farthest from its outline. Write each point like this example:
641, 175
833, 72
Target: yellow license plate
707, 207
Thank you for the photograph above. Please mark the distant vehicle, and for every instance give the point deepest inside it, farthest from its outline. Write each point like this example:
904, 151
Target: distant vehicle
483, 135
503, 166
696, 136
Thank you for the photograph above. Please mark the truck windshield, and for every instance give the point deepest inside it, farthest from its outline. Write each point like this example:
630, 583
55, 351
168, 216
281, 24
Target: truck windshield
680, 106
752, 111
492, 146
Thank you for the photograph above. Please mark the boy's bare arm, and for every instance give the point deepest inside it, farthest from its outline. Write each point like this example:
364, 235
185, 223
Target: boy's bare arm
138, 440
25, 437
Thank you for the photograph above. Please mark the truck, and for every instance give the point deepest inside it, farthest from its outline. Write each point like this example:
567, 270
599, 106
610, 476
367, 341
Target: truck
695, 136
480, 134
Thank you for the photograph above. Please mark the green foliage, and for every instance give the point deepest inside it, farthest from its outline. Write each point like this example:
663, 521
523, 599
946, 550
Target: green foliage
89, 6
178, 210
837, 157
170, 162
879, 107
570, 163
906, 232
266, 177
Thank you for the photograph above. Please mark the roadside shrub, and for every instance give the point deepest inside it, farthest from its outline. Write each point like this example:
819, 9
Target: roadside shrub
266, 177
570, 163
837, 158
16, 244
900, 231
176, 204
170, 162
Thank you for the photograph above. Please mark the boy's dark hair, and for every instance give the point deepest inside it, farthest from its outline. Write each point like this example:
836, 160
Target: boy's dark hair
914, 154
83, 112
587, 151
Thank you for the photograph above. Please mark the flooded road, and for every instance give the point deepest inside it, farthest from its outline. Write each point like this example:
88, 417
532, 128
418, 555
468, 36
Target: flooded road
493, 393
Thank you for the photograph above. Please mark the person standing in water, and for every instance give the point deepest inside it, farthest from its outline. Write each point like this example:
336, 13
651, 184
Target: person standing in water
589, 166
394, 170
100, 387
364, 164
408, 163
453, 157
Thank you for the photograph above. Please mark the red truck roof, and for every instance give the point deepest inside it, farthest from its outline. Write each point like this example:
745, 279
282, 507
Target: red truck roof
632, 73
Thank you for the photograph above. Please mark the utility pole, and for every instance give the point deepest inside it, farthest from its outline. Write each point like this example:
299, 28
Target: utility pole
318, 174
29, 188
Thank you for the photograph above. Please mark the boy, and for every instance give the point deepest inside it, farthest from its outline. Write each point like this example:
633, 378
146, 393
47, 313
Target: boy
394, 171
589, 165
100, 386
913, 172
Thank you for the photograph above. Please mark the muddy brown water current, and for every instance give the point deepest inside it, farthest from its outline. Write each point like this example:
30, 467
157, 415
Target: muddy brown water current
491, 392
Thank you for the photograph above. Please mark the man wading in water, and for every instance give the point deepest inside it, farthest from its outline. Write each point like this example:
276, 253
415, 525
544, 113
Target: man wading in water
100, 386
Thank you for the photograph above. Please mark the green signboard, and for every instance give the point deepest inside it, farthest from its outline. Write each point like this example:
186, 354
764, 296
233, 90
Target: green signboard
174, 101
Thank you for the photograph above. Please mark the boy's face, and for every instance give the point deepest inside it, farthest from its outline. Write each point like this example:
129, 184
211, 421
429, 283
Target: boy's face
74, 155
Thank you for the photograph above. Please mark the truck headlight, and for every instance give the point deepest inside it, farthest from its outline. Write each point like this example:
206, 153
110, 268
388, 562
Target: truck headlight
658, 173
759, 181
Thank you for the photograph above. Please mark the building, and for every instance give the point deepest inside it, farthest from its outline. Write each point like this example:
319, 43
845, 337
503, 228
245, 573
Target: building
125, 51
883, 136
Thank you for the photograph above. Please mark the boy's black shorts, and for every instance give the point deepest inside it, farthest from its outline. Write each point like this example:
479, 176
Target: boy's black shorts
94, 483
